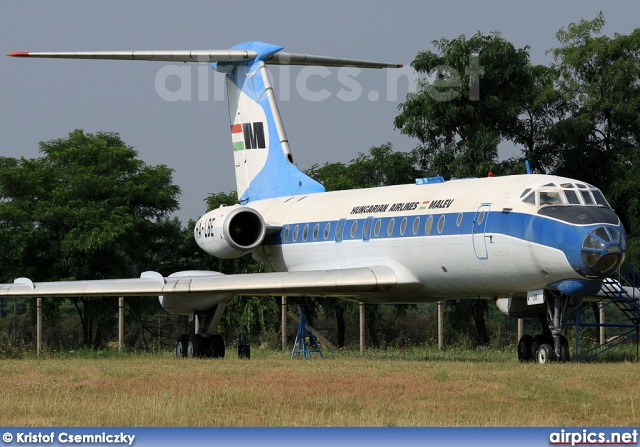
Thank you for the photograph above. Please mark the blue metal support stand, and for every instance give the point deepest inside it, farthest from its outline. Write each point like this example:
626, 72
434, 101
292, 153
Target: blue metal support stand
627, 303
305, 343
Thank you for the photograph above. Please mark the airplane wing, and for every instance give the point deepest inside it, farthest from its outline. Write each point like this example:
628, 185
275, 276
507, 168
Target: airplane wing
344, 282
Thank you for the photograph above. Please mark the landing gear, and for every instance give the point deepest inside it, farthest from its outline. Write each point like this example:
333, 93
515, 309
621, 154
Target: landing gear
551, 345
181, 346
198, 346
544, 354
525, 353
203, 343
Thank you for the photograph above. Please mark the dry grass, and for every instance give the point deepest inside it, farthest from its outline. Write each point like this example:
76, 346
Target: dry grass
343, 390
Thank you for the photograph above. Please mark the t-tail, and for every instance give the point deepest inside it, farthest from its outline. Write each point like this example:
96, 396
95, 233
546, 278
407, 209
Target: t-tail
264, 164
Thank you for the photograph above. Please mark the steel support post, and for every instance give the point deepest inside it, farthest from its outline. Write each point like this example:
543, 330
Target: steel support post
39, 327
120, 323
361, 328
440, 326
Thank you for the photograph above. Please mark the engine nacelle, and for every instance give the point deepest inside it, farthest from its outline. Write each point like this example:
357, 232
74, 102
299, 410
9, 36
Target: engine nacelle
230, 231
184, 304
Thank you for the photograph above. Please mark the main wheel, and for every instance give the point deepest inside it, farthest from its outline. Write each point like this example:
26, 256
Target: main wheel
195, 346
181, 346
545, 353
538, 340
524, 348
217, 346
565, 356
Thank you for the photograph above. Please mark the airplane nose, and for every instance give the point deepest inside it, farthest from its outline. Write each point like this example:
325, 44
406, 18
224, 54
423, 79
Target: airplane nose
603, 250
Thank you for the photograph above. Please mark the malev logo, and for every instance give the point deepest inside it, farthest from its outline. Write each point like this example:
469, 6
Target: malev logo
248, 136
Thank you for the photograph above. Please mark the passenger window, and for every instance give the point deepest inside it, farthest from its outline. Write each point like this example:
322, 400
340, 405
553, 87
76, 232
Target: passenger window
392, 223
316, 230
428, 225
376, 228
295, 233
354, 229
416, 225
572, 197
327, 230
403, 226
305, 232
441, 224
459, 220
286, 233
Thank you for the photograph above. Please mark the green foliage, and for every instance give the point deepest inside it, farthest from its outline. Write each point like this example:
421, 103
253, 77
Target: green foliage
215, 200
380, 167
86, 209
598, 140
470, 99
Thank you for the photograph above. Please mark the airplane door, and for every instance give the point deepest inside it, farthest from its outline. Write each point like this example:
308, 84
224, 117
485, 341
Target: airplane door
479, 230
366, 229
339, 229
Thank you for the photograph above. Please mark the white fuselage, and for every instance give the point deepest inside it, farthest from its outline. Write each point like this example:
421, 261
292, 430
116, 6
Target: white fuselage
462, 238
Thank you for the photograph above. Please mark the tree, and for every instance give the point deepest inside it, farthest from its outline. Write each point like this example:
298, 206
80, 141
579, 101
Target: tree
477, 92
470, 99
598, 139
86, 209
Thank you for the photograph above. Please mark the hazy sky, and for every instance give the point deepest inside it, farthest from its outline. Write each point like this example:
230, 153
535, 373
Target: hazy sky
43, 99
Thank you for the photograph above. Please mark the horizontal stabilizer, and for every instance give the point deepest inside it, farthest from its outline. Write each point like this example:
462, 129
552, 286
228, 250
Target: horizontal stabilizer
284, 58
233, 56
167, 56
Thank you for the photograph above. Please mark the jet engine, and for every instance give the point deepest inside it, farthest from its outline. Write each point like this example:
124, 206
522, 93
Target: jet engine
230, 231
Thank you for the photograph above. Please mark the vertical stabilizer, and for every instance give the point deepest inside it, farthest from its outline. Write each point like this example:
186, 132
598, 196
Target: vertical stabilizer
263, 162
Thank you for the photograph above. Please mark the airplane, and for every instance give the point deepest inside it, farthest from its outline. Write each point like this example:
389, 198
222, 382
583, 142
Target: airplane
534, 243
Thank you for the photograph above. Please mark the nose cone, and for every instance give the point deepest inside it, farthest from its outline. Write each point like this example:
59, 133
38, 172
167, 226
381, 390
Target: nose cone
603, 250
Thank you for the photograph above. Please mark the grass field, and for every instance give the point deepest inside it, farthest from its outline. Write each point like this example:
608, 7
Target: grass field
405, 388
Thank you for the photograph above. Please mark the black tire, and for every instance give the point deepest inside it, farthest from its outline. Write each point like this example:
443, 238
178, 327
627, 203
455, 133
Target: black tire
195, 347
524, 348
545, 354
217, 346
565, 355
181, 346
538, 341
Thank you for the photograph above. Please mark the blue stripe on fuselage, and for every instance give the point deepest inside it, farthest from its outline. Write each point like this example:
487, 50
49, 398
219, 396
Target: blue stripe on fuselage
527, 227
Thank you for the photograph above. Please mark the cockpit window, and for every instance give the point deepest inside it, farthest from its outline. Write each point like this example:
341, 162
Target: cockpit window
572, 197
530, 199
588, 200
568, 194
550, 198
600, 200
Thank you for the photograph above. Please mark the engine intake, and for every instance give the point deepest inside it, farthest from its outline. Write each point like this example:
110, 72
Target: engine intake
230, 231
244, 228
